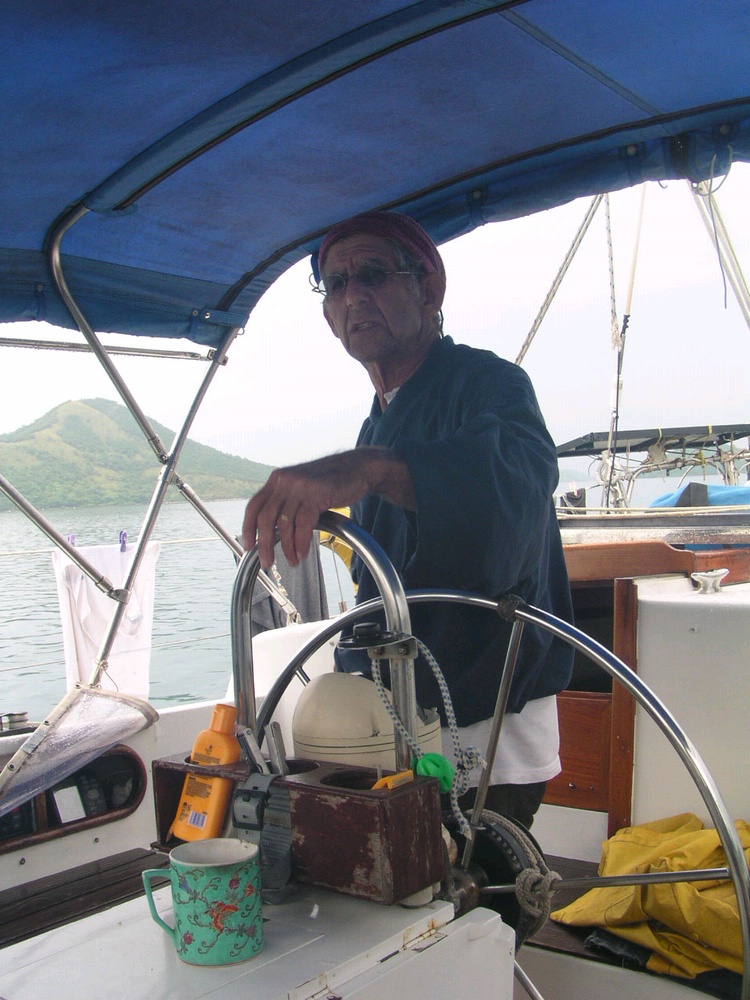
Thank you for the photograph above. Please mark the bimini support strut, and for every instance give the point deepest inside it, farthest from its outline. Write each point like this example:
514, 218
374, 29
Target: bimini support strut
168, 459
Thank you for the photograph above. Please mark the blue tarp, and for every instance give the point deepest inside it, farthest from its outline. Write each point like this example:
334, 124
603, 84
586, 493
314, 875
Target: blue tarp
716, 495
208, 146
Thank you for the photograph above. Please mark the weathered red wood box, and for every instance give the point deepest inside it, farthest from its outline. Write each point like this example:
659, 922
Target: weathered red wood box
377, 844
382, 844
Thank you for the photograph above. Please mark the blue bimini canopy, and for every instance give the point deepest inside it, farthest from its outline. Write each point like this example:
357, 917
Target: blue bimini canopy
180, 156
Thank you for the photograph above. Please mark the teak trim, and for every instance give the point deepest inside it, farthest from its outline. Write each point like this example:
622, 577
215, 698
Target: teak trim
622, 734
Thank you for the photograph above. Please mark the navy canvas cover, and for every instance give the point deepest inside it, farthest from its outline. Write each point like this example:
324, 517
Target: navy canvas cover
203, 148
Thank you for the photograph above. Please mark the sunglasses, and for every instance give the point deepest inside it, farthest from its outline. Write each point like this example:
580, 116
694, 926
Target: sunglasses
369, 275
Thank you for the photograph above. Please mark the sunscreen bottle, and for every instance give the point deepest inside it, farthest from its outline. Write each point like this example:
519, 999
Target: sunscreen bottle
203, 803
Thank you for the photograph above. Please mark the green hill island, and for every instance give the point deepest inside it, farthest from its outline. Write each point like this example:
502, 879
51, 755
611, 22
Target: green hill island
91, 452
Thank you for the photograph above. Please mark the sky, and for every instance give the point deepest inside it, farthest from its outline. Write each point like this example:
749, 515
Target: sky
290, 393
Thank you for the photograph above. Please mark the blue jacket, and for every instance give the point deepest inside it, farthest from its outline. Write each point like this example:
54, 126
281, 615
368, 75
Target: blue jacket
484, 469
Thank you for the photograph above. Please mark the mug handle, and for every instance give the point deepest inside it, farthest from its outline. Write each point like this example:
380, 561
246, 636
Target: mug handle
147, 876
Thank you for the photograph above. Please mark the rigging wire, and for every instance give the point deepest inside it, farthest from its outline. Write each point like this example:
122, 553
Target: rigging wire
582, 230
617, 388
614, 322
709, 197
731, 270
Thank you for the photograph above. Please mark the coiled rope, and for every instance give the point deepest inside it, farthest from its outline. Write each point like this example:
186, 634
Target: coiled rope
534, 885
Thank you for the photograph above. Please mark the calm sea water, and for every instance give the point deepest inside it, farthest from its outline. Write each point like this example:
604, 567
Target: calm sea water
191, 656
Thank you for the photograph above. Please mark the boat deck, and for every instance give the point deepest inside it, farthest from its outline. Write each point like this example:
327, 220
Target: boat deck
46, 903
50, 903
87, 889
313, 945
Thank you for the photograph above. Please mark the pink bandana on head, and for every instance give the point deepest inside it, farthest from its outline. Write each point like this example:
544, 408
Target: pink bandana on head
388, 225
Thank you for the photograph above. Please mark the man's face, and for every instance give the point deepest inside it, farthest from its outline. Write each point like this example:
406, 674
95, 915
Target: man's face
378, 325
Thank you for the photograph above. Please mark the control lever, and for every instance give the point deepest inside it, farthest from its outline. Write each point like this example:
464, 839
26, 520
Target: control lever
276, 750
250, 800
249, 803
261, 812
249, 746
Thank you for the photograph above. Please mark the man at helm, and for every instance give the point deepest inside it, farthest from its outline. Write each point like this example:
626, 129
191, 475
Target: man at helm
453, 474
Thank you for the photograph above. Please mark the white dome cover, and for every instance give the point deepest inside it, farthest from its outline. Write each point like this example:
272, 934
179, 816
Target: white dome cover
341, 717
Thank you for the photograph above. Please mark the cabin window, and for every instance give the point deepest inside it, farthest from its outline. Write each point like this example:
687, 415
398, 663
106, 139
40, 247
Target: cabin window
107, 789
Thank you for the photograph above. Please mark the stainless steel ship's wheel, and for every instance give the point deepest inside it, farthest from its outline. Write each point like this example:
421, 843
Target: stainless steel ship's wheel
500, 849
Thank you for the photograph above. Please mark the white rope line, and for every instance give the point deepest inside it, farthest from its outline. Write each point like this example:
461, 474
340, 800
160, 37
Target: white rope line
636, 247
466, 759
614, 322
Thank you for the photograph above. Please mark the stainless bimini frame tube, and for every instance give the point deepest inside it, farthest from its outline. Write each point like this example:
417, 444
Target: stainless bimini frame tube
396, 616
168, 459
101, 581
516, 611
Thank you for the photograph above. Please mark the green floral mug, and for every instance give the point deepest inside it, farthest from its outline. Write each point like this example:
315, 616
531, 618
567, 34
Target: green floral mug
215, 900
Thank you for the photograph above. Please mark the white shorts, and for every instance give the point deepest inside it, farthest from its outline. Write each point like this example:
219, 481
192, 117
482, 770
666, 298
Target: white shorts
529, 746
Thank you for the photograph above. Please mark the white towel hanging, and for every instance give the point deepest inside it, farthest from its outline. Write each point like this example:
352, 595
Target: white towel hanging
86, 613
